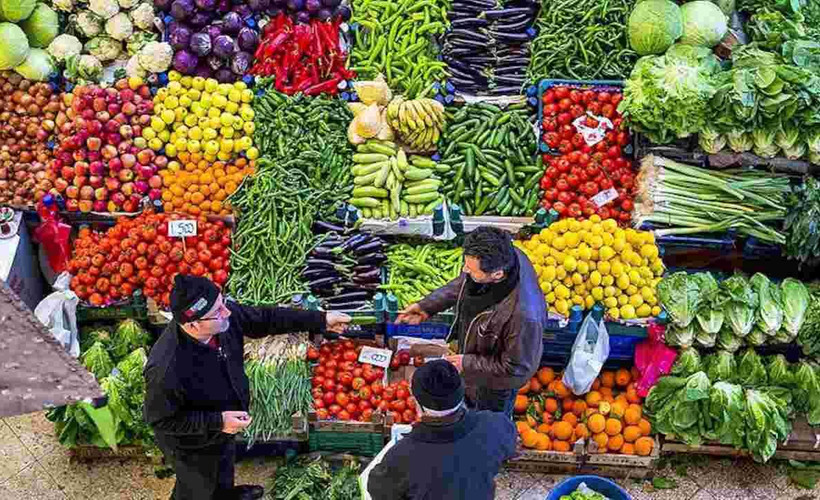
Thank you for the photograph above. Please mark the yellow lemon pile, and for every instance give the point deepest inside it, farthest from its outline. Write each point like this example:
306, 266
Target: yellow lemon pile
199, 115
584, 262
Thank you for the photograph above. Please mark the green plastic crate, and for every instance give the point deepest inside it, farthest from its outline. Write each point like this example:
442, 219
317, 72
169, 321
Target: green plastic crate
367, 444
136, 308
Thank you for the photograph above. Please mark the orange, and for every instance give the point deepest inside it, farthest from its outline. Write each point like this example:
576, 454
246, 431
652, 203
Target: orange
608, 379
581, 431
613, 426
617, 409
579, 407
561, 390
636, 375
529, 438
566, 404
632, 433
535, 385
525, 389
604, 408
547, 418
606, 391
589, 412
601, 440
545, 375
522, 426
628, 449
543, 443
593, 398
645, 426
622, 398
643, 446
561, 446
596, 384
622, 377
521, 403
633, 415
596, 423
544, 428
632, 396
570, 418
532, 422
550, 405
562, 430
615, 442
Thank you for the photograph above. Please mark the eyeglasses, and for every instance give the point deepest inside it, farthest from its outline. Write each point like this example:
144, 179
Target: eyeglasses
220, 314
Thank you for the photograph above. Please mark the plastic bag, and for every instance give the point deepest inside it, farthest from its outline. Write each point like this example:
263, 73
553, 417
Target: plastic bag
53, 235
653, 359
589, 353
58, 312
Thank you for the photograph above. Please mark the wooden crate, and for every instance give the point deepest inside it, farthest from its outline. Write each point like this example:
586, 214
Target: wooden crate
548, 462
380, 424
619, 465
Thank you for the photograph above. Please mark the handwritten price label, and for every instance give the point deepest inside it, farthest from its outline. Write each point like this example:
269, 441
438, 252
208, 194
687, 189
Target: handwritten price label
374, 356
181, 228
604, 197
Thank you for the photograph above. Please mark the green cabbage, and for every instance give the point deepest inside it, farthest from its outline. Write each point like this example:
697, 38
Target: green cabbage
750, 370
654, 25
97, 361
13, 46
795, 304
766, 424
741, 305
727, 408
721, 367
704, 24
770, 304
42, 27
727, 340
15, 10
38, 66
688, 363
779, 371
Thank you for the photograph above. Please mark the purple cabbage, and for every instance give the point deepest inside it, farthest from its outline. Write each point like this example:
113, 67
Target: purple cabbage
344, 12
223, 6
247, 39
241, 62
215, 62
202, 69
181, 9
324, 15
259, 5
231, 23
201, 19
179, 37
279, 3
224, 46
224, 75
331, 3
274, 11
213, 31
207, 5
296, 5
303, 17
243, 10
200, 44
313, 6
185, 62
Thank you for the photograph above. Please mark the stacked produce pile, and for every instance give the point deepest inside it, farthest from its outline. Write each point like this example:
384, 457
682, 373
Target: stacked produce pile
195, 186
738, 310
582, 40
27, 120
491, 154
551, 417
744, 401
307, 58
413, 271
487, 47
117, 358
138, 254
584, 262
102, 163
26, 28
345, 271
418, 122
196, 114
396, 39
590, 174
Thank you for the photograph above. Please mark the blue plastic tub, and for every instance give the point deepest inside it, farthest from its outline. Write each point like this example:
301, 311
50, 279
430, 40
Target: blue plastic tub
599, 484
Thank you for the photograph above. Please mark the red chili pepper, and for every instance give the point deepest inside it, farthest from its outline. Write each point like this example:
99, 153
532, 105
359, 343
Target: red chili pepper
276, 43
330, 87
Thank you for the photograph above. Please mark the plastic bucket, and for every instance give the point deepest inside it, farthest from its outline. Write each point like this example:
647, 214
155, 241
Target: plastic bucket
599, 484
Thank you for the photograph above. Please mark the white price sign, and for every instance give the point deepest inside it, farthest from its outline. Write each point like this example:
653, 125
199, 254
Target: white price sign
181, 228
374, 356
604, 197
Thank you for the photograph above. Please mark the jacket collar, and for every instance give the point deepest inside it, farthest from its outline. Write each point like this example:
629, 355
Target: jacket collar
445, 432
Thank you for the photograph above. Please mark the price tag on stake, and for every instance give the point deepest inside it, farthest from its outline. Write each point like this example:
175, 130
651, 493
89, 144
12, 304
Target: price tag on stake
604, 197
181, 228
374, 356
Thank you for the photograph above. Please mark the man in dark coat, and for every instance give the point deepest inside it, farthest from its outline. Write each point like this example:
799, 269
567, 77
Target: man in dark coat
197, 394
500, 315
453, 453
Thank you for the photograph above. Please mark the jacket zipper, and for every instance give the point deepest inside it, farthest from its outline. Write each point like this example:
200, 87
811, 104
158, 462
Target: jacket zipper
455, 318
224, 357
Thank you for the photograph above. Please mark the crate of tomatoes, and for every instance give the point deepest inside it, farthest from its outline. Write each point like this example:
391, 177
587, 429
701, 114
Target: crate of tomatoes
587, 150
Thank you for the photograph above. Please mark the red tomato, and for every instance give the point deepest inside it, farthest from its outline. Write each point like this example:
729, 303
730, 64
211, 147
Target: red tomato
342, 398
318, 403
328, 385
375, 400
358, 372
329, 398
377, 387
404, 358
576, 110
398, 405
594, 107
354, 397
550, 109
365, 392
344, 378
549, 124
561, 92
350, 355
343, 415
573, 180
604, 96
352, 408
615, 99
560, 207
548, 97
603, 213
358, 383
317, 392
588, 96
408, 415
367, 415
395, 364
384, 406
330, 373
389, 394
331, 362
396, 417
402, 393
371, 377
363, 405
564, 119
317, 381
627, 205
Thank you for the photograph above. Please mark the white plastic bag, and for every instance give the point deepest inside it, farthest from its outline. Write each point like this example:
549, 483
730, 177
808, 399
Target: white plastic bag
58, 312
589, 353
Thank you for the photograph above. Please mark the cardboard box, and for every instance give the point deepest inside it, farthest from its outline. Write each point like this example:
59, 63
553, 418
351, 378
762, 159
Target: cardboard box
429, 349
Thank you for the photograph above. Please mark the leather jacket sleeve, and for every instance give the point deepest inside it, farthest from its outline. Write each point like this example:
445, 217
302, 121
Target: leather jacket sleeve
258, 322
513, 360
444, 298
163, 403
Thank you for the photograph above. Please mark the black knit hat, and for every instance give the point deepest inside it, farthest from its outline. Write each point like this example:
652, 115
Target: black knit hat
437, 386
192, 297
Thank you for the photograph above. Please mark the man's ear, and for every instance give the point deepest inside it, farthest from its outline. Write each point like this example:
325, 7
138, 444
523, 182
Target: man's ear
499, 275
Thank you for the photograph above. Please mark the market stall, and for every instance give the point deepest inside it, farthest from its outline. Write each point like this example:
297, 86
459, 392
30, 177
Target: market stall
656, 161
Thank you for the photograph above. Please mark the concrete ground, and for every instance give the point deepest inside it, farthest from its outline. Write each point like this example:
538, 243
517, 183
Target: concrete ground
33, 466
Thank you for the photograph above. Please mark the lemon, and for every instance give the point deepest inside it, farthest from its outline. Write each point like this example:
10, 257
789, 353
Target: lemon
635, 277
604, 267
589, 301
609, 225
614, 313
550, 261
606, 253
618, 245
623, 300
597, 293
570, 264
559, 243
546, 287
246, 113
226, 145
562, 306
219, 101
632, 236
595, 278
550, 298
631, 289
611, 302
226, 132
596, 229
643, 311
622, 281
181, 145
164, 135
194, 146
561, 292
577, 278
608, 239
548, 273
617, 268
627, 312
247, 95
577, 300
649, 251
583, 267
211, 85
572, 239
656, 310
635, 300
635, 259
252, 153
596, 242
568, 282
608, 280
560, 273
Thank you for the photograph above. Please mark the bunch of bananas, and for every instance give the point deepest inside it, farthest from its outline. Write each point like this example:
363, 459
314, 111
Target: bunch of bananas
419, 122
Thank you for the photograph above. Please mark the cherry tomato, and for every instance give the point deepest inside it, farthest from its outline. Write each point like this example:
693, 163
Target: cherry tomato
604, 96
548, 97
322, 414
561, 92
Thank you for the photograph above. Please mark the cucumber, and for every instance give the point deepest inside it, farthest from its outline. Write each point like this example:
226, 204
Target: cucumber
417, 174
369, 192
365, 169
401, 159
381, 175
369, 157
365, 179
381, 149
405, 209
365, 202
422, 162
420, 189
414, 210
422, 198
442, 168
367, 213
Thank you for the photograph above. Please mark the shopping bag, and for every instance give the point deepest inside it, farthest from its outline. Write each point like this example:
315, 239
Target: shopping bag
58, 312
589, 353
653, 359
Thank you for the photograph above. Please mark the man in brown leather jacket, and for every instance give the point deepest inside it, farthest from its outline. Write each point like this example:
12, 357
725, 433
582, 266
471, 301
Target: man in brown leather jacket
500, 314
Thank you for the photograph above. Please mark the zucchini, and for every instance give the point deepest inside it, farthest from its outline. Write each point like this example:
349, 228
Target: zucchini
421, 198
381, 175
365, 202
365, 169
422, 162
401, 159
369, 157
365, 179
417, 174
420, 189
381, 148
442, 168
369, 192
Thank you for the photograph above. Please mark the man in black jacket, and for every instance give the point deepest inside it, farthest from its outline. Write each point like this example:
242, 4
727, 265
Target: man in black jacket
453, 454
197, 394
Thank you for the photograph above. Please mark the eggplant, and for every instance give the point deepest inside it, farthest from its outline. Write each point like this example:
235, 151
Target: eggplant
468, 23
511, 80
469, 43
511, 90
511, 37
374, 245
324, 252
371, 258
312, 273
322, 227
482, 4
465, 68
323, 264
325, 282
365, 269
354, 240
467, 76
368, 276
513, 27
465, 34
349, 297
494, 15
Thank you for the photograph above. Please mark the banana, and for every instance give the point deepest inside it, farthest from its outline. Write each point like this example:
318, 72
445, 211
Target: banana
393, 108
422, 112
410, 115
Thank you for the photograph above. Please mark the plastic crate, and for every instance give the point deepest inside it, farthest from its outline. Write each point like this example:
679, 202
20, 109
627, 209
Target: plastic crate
598, 484
544, 85
368, 444
756, 249
436, 328
136, 308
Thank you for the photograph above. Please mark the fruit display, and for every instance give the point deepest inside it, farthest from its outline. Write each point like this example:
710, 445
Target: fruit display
196, 114
194, 186
345, 389
418, 122
550, 418
138, 254
584, 262
590, 174
102, 163
27, 120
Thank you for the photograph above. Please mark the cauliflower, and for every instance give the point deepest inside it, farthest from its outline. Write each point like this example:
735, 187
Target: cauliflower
104, 48
87, 24
143, 16
104, 8
133, 68
119, 27
84, 68
138, 40
64, 46
127, 4
155, 57
63, 5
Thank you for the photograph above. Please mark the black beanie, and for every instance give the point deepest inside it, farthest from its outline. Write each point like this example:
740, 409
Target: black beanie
192, 297
437, 385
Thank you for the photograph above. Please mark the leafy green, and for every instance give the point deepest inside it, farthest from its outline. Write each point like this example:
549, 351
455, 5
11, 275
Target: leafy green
807, 394
750, 370
97, 361
680, 294
125, 389
756, 337
308, 478
770, 29
727, 340
770, 304
128, 336
779, 371
809, 336
676, 336
721, 367
741, 304
727, 408
688, 363
766, 424
795, 304
802, 234
653, 26
704, 24
704, 338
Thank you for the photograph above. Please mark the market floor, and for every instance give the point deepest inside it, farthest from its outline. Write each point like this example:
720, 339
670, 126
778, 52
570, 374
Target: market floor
33, 466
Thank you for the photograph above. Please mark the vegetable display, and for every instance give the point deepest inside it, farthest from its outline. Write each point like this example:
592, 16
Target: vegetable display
413, 271
584, 40
591, 173
491, 155
487, 47
396, 39
584, 262
195, 186
25, 29
306, 58
418, 122
314, 478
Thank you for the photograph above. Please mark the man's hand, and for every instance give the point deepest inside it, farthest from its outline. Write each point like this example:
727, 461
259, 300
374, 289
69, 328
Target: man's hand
337, 322
456, 361
412, 315
235, 421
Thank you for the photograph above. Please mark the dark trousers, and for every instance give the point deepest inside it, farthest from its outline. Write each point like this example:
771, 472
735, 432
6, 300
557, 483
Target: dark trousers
203, 474
497, 400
